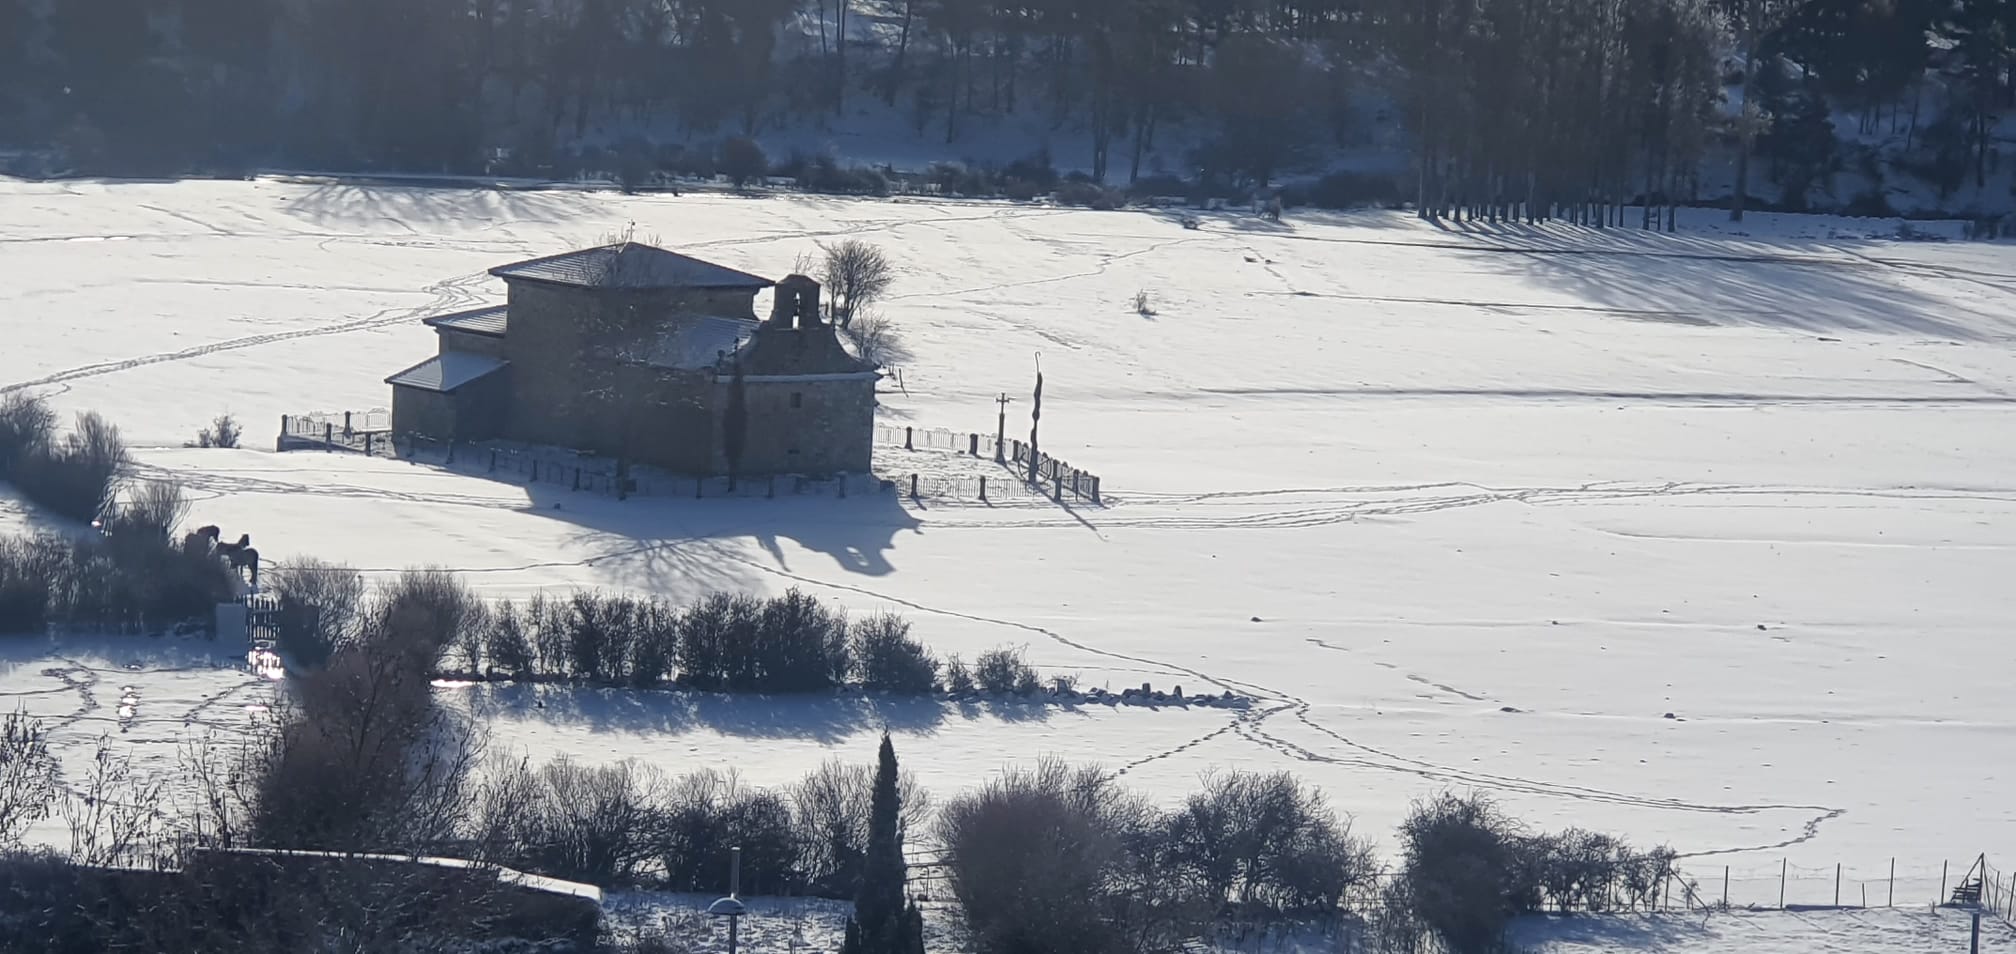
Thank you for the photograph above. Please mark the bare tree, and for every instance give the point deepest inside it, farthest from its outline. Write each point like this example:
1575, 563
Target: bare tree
115, 814
1757, 21
856, 274
27, 776
876, 340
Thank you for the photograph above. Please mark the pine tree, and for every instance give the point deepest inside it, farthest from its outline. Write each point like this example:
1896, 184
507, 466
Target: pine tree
882, 924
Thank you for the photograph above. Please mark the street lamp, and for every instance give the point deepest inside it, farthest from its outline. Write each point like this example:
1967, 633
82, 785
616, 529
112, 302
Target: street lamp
731, 907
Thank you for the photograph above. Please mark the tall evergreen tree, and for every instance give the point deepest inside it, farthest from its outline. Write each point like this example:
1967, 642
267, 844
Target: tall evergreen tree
735, 423
882, 924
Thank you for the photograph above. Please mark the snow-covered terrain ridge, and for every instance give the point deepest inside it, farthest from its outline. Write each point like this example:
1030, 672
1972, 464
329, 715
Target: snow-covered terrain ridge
1459, 507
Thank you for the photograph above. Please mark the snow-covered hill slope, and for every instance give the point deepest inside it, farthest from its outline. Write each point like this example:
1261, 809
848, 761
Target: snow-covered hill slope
1700, 538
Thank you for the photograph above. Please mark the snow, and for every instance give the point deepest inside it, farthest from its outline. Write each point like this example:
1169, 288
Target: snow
1898, 931
1500, 497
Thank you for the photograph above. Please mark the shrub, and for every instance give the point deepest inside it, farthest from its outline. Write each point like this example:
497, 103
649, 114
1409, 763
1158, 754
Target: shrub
29, 569
1265, 843
423, 613
1034, 169
1459, 856
708, 813
715, 636
887, 659
77, 476
801, 645
509, 648
876, 340
1143, 306
1054, 860
601, 824
1003, 669
321, 607
741, 160
154, 509
1090, 195
825, 174
958, 679
26, 424
28, 776
222, 432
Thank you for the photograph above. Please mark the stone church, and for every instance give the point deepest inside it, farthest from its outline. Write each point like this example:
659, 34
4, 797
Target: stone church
633, 352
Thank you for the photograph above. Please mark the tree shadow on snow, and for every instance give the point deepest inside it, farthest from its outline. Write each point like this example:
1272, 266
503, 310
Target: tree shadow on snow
1611, 932
668, 538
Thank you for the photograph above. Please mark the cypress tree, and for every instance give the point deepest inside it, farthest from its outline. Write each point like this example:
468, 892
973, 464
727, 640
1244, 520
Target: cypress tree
882, 923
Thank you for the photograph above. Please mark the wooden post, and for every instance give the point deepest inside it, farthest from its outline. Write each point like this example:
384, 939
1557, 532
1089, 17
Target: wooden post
913, 486
346, 423
972, 445
1095, 488
1892, 902
909, 437
1057, 488
983, 487
1974, 939
367, 443
1942, 883
1837, 884
329, 434
1725, 886
1783, 865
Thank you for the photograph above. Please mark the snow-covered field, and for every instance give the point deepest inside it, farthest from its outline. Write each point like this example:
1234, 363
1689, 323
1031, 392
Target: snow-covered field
1704, 538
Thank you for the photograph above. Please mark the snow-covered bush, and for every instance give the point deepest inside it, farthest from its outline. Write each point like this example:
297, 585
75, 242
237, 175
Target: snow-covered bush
1004, 669
322, 603
223, 432
886, 658
1268, 844
26, 424
958, 678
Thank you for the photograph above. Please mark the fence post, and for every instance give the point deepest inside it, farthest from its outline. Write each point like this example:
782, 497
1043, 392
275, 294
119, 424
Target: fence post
1057, 488
1942, 882
1095, 488
909, 438
367, 443
1783, 865
1837, 884
1725, 887
913, 486
972, 445
328, 435
983, 488
1892, 902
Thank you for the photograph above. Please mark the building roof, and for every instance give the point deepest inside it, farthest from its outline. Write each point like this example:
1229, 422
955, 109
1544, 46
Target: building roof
447, 371
697, 342
630, 265
780, 351
586, 892
483, 321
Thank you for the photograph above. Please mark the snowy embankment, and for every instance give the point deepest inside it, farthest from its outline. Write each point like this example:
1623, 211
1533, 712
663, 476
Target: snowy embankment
1702, 539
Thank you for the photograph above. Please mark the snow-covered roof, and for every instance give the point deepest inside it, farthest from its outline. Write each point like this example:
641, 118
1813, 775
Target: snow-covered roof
632, 266
482, 321
697, 342
446, 371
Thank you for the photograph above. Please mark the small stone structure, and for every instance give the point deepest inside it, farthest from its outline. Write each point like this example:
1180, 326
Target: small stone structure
631, 351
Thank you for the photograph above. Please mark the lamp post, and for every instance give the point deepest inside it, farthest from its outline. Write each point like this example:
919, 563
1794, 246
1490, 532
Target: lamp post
731, 907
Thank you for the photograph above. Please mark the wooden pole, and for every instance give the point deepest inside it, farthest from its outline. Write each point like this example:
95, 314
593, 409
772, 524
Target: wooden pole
1892, 902
1942, 882
1725, 886
983, 487
1837, 884
1784, 864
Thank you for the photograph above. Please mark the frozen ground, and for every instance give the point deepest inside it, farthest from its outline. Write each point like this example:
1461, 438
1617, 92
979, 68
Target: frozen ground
1470, 507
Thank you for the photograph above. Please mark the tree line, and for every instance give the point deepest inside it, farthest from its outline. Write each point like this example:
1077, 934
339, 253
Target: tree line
1512, 106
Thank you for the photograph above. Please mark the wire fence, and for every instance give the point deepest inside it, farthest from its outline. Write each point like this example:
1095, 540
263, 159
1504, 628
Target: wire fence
1050, 476
370, 433
366, 432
